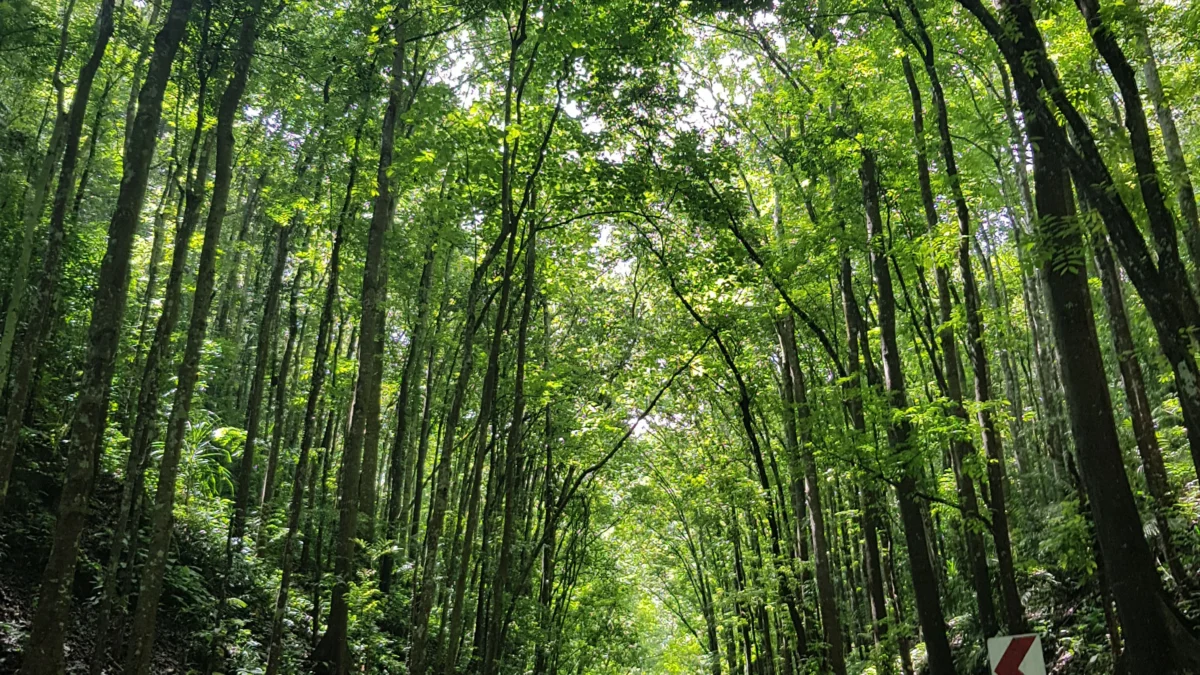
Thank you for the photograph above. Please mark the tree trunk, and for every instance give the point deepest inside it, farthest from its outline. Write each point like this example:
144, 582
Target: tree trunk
869, 496
368, 481
43, 653
132, 104
129, 404
32, 211
977, 349
47, 292
153, 372
423, 599
399, 471
93, 142
162, 517
1185, 194
514, 459
230, 288
262, 357
316, 383
424, 596
924, 575
796, 407
1170, 280
1129, 565
1165, 289
1139, 404
480, 441
267, 495
332, 653
961, 448
413, 517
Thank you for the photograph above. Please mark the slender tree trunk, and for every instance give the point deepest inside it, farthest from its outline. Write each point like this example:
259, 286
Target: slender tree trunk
47, 292
999, 301
139, 70
262, 358
961, 449
230, 288
514, 459
797, 408
788, 592
129, 404
399, 472
332, 654
162, 517
1185, 194
869, 496
423, 597
35, 202
267, 495
977, 349
1033, 286
924, 575
368, 481
316, 383
145, 426
413, 517
545, 599
1172, 281
1139, 404
93, 142
43, 653
481, 443
158, 357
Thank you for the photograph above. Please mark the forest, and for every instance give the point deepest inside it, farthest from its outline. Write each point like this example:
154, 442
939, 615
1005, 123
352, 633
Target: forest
598, 337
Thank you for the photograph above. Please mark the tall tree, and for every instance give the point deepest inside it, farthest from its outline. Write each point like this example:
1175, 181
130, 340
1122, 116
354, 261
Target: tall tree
43, 653
924, 576
47, 290
163, 511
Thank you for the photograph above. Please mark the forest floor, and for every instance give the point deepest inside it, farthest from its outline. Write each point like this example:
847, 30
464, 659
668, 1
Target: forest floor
24, 545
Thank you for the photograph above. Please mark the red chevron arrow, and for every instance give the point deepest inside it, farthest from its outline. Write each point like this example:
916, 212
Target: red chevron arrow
1010, 662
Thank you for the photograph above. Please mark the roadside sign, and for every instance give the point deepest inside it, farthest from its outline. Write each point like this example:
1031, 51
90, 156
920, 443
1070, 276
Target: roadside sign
1016, 655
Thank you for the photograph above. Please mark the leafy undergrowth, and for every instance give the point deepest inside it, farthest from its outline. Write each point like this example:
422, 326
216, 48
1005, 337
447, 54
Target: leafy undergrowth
24, 546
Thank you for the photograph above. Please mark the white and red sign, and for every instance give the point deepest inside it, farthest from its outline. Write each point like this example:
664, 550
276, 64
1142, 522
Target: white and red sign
1016, 655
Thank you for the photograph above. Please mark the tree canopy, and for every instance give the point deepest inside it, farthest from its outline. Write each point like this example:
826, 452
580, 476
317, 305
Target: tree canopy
605, 336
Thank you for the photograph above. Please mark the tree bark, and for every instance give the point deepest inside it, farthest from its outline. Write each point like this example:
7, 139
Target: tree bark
47, 291
1129, 565
481, 443
316, 384
977, 349
267, 495
43, 653
153, 372
332, 654
399, 471
514, 459
1171, 277
1185, 193
1139, 404
924, 575
796, 406
162, 516
961, 448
